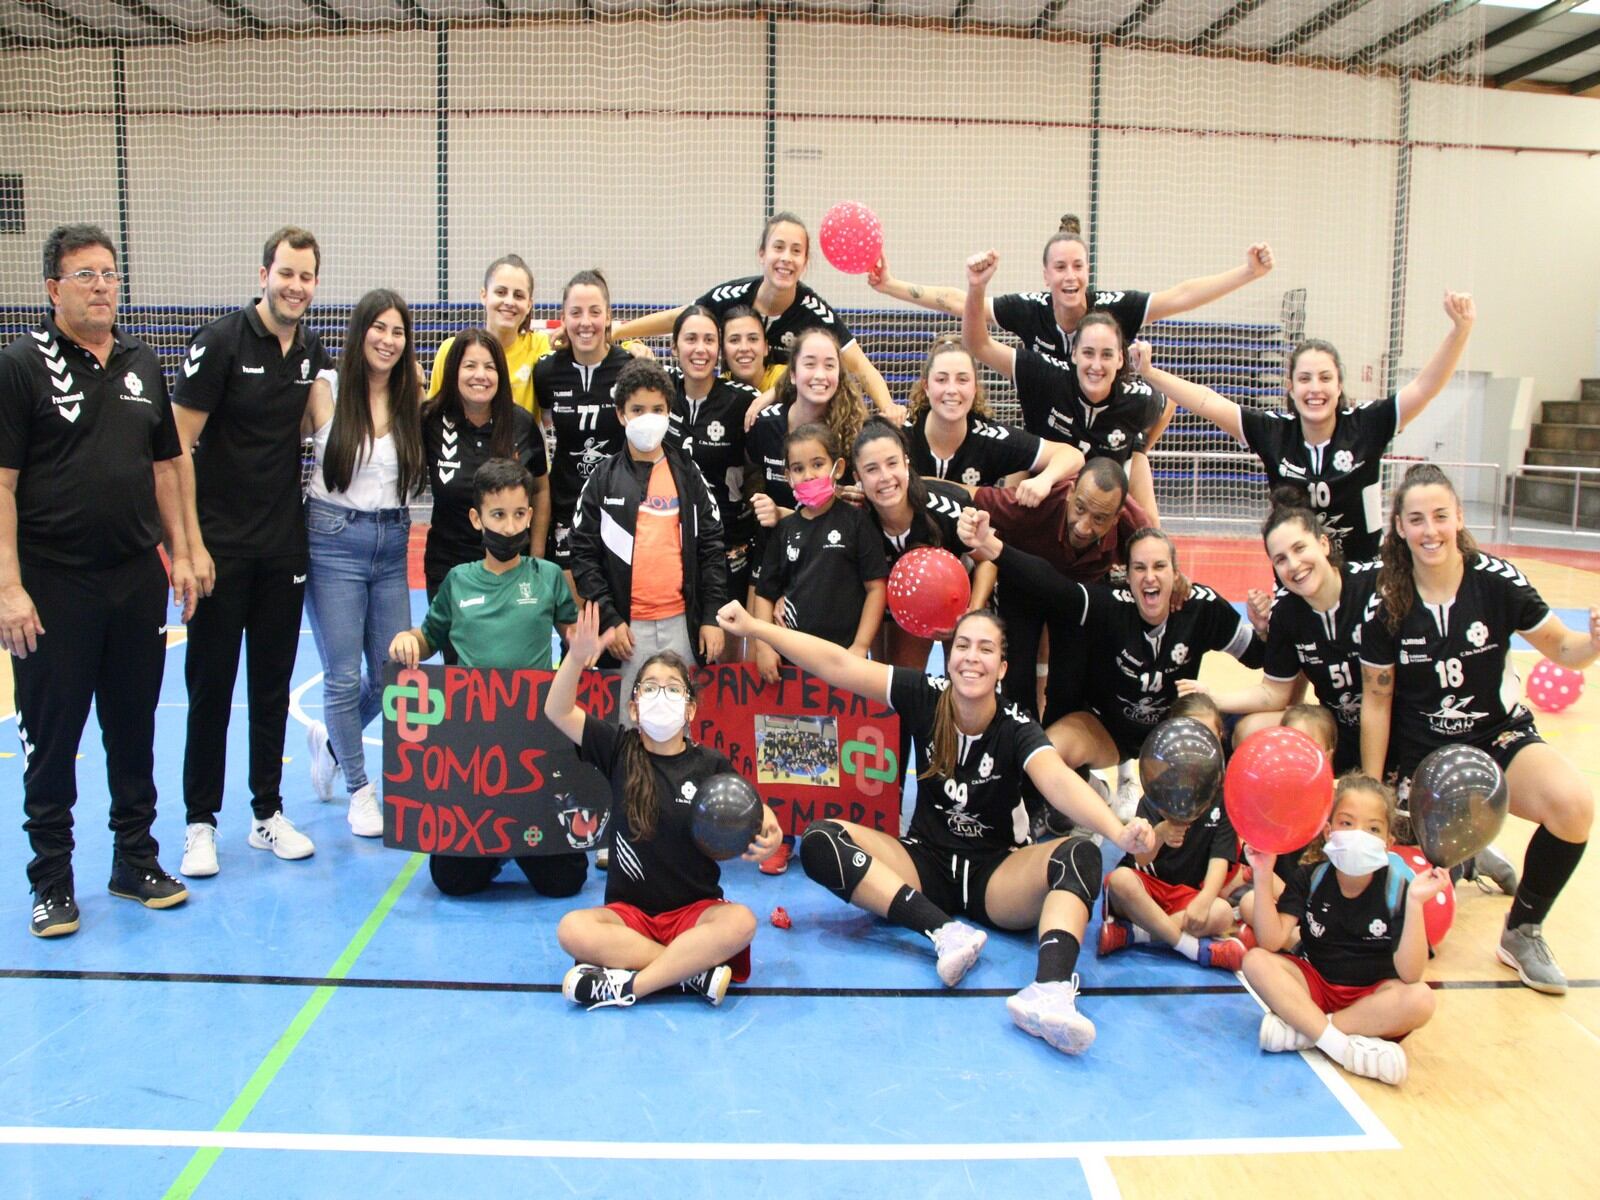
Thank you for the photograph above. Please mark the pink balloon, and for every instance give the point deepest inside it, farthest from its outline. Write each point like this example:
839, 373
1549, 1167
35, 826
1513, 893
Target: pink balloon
1552, 687
852, 238
928, 591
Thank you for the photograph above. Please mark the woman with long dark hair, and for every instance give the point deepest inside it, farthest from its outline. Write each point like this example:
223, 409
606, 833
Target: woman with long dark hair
1433, 655
365, 423
472, 418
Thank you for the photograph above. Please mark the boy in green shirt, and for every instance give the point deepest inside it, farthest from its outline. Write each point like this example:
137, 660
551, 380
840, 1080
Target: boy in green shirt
499, 613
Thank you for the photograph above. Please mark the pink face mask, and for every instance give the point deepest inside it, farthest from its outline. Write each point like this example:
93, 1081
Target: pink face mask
814, 493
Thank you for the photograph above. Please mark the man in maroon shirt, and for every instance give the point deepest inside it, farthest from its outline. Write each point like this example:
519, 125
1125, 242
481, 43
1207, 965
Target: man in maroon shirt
1081, 529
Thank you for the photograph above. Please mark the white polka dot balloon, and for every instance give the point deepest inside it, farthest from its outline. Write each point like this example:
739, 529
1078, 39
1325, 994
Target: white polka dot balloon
1553, 687
851, 237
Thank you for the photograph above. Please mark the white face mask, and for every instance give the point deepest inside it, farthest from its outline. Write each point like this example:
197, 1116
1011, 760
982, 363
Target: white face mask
1355, 851
646, 431
661, 716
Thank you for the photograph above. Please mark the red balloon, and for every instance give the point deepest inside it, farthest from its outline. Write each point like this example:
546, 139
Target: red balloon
1278, 790
928, 591
1440, 912
852, 238
1552, 687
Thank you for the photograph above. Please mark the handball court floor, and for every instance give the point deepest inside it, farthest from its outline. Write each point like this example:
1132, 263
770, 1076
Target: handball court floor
337, 1028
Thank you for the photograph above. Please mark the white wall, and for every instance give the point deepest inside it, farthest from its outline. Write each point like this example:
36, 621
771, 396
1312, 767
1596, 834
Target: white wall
639, 147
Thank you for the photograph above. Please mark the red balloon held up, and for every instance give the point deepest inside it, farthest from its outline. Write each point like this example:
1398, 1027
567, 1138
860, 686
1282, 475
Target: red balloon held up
1278, 790
928, 591
851, 237
1440, 912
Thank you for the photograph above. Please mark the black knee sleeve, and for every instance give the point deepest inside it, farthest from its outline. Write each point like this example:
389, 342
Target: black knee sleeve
830, 857
1075, 868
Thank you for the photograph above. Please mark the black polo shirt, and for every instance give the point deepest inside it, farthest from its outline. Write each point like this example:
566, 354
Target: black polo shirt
83, 439
247, 458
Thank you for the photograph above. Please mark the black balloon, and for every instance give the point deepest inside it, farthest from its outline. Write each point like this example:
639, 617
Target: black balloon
727, 816
1458, 802
1180, 766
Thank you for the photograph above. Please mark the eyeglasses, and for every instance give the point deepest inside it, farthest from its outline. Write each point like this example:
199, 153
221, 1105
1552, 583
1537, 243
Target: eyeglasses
649, 689
86, 277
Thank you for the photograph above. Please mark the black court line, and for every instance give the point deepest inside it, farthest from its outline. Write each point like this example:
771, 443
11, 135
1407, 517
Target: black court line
887, 993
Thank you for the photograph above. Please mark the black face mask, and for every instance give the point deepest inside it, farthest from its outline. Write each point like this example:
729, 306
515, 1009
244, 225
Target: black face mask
506, 546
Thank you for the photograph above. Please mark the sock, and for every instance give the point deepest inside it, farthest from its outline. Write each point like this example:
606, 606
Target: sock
910, 909
1333, 1042
1188, 946
1124, 771
1141, 935
1058, 955
1545, 871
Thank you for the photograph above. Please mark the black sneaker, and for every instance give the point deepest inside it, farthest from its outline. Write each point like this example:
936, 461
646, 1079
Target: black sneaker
598, 987
150, 886
712, 984
55, 912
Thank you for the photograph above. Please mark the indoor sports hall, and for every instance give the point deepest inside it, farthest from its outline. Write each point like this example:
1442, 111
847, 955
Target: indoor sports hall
336, 1027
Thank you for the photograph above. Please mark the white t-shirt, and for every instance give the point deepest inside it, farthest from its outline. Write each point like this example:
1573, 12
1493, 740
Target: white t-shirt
375, 483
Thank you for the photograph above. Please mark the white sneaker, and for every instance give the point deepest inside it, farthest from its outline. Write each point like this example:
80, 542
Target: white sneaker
957, 946
1050, 1011
1376, 1059
1126, 805
324, 767
1277, 1036
199, 851
279, 836
365, 817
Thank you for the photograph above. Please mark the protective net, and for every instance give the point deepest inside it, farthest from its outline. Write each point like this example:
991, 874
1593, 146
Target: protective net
420, 139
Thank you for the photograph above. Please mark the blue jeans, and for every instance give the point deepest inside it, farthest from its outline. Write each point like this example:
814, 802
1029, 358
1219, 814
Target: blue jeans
358, 599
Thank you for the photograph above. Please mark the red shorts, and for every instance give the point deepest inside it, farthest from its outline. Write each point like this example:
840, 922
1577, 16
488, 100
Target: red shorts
1172, 897
666, 928
1331, 997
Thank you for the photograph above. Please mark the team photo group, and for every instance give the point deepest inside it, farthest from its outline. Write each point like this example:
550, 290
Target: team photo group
733, 480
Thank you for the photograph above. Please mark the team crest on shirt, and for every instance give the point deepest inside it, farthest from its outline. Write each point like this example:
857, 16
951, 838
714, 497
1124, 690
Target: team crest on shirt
135, 386
583, 826
793, 552
1343, 460
1180, 654
970, 476
833, 537
305, 368
715, 430
1116, 439
526, 590
686, 792
1478, 634
1314, 927
1452, 716
986, 766
1378, 928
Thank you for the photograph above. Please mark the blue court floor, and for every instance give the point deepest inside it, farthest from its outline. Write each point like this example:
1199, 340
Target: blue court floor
337, 1028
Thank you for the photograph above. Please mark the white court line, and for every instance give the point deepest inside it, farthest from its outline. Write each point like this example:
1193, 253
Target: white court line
361, 1143
1098, 1175
299, 713
1333, 1079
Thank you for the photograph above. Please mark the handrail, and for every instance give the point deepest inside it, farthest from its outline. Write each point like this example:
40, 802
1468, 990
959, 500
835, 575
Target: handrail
1526, 472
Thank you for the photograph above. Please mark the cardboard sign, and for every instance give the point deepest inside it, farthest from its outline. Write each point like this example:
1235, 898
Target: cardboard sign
471, 768
813, 752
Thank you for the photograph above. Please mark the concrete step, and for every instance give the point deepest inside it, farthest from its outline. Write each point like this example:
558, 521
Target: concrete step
1572, 412
1549, 498
1565, 437
1563, 458
1589, 391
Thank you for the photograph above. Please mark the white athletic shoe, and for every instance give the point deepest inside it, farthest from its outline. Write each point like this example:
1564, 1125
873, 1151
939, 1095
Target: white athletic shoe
365, 817
324, 767
1278, 1036
957, 946
199, 851
279, 836
1126, 805
1375, 1058
1050, 1011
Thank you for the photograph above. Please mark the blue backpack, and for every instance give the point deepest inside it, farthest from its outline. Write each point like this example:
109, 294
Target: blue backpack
1400, 874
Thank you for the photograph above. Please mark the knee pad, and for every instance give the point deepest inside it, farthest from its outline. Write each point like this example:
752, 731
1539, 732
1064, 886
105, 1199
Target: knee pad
1075, 867
831, 857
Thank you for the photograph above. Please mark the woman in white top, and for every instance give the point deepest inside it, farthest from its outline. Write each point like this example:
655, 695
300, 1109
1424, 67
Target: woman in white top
364, 420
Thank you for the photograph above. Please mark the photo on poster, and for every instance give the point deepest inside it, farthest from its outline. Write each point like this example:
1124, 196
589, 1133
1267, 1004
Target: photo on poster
797, 750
